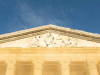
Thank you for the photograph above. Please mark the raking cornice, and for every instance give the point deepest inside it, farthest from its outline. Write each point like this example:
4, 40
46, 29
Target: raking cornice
49, 28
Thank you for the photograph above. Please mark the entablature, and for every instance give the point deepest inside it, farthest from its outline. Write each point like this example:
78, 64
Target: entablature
50, 49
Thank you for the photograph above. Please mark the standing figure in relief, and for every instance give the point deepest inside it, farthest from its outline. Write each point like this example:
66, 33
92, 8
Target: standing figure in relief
54, 41
36, 41
58, 41
48, 40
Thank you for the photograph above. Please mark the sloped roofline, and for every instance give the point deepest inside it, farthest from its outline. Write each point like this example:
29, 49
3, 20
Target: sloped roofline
50, 27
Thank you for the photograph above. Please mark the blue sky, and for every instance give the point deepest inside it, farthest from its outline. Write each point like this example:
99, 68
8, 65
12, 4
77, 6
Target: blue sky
18, 15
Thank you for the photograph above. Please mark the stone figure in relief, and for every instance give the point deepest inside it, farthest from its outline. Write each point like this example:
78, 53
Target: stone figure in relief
59, 41
69, 42
51, 40
48, 40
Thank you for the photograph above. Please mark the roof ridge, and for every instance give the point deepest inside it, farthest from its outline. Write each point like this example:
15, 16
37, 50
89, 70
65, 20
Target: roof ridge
50, 26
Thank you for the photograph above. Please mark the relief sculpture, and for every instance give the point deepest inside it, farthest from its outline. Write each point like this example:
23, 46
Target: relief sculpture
52, 41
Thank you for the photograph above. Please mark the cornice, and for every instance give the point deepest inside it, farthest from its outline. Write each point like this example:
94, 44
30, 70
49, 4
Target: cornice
35, 50
50, 29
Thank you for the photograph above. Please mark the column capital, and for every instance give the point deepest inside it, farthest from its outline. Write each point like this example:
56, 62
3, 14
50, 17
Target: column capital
92, 64
10, 64
65, 64
38, 64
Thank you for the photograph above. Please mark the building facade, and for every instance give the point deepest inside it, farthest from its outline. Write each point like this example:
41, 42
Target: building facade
50, 50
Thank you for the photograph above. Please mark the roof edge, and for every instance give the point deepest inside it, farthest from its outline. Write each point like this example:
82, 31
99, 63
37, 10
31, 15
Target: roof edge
50, 26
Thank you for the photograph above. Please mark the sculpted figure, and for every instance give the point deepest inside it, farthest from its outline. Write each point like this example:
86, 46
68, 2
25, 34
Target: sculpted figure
69, 42
52, 40
48, 40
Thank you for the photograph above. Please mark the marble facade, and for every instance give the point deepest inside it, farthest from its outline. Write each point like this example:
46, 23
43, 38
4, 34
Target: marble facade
50, 50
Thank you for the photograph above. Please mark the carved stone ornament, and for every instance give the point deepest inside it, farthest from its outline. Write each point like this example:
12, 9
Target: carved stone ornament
65, 64
92, 64
11, 64
50, 40
38, 64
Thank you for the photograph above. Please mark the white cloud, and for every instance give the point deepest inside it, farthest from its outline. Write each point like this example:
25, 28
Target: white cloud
26, 18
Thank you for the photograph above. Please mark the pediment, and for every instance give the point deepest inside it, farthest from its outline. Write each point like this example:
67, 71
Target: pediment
50, 36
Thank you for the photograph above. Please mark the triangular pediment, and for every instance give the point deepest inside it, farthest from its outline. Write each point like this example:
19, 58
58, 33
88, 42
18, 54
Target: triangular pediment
50, 36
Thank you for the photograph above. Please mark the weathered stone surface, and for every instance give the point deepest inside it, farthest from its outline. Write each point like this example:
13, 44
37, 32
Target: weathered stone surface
50, 40
50, 44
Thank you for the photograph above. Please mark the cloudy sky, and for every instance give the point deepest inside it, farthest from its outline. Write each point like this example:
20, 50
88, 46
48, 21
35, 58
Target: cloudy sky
18, 15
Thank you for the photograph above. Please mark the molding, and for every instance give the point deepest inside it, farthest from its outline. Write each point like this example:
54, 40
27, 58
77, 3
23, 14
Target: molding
42, 50
49, 29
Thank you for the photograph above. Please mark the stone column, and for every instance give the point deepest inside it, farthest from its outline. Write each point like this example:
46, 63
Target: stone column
65, 67
10, 70
38, 67
92, 68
